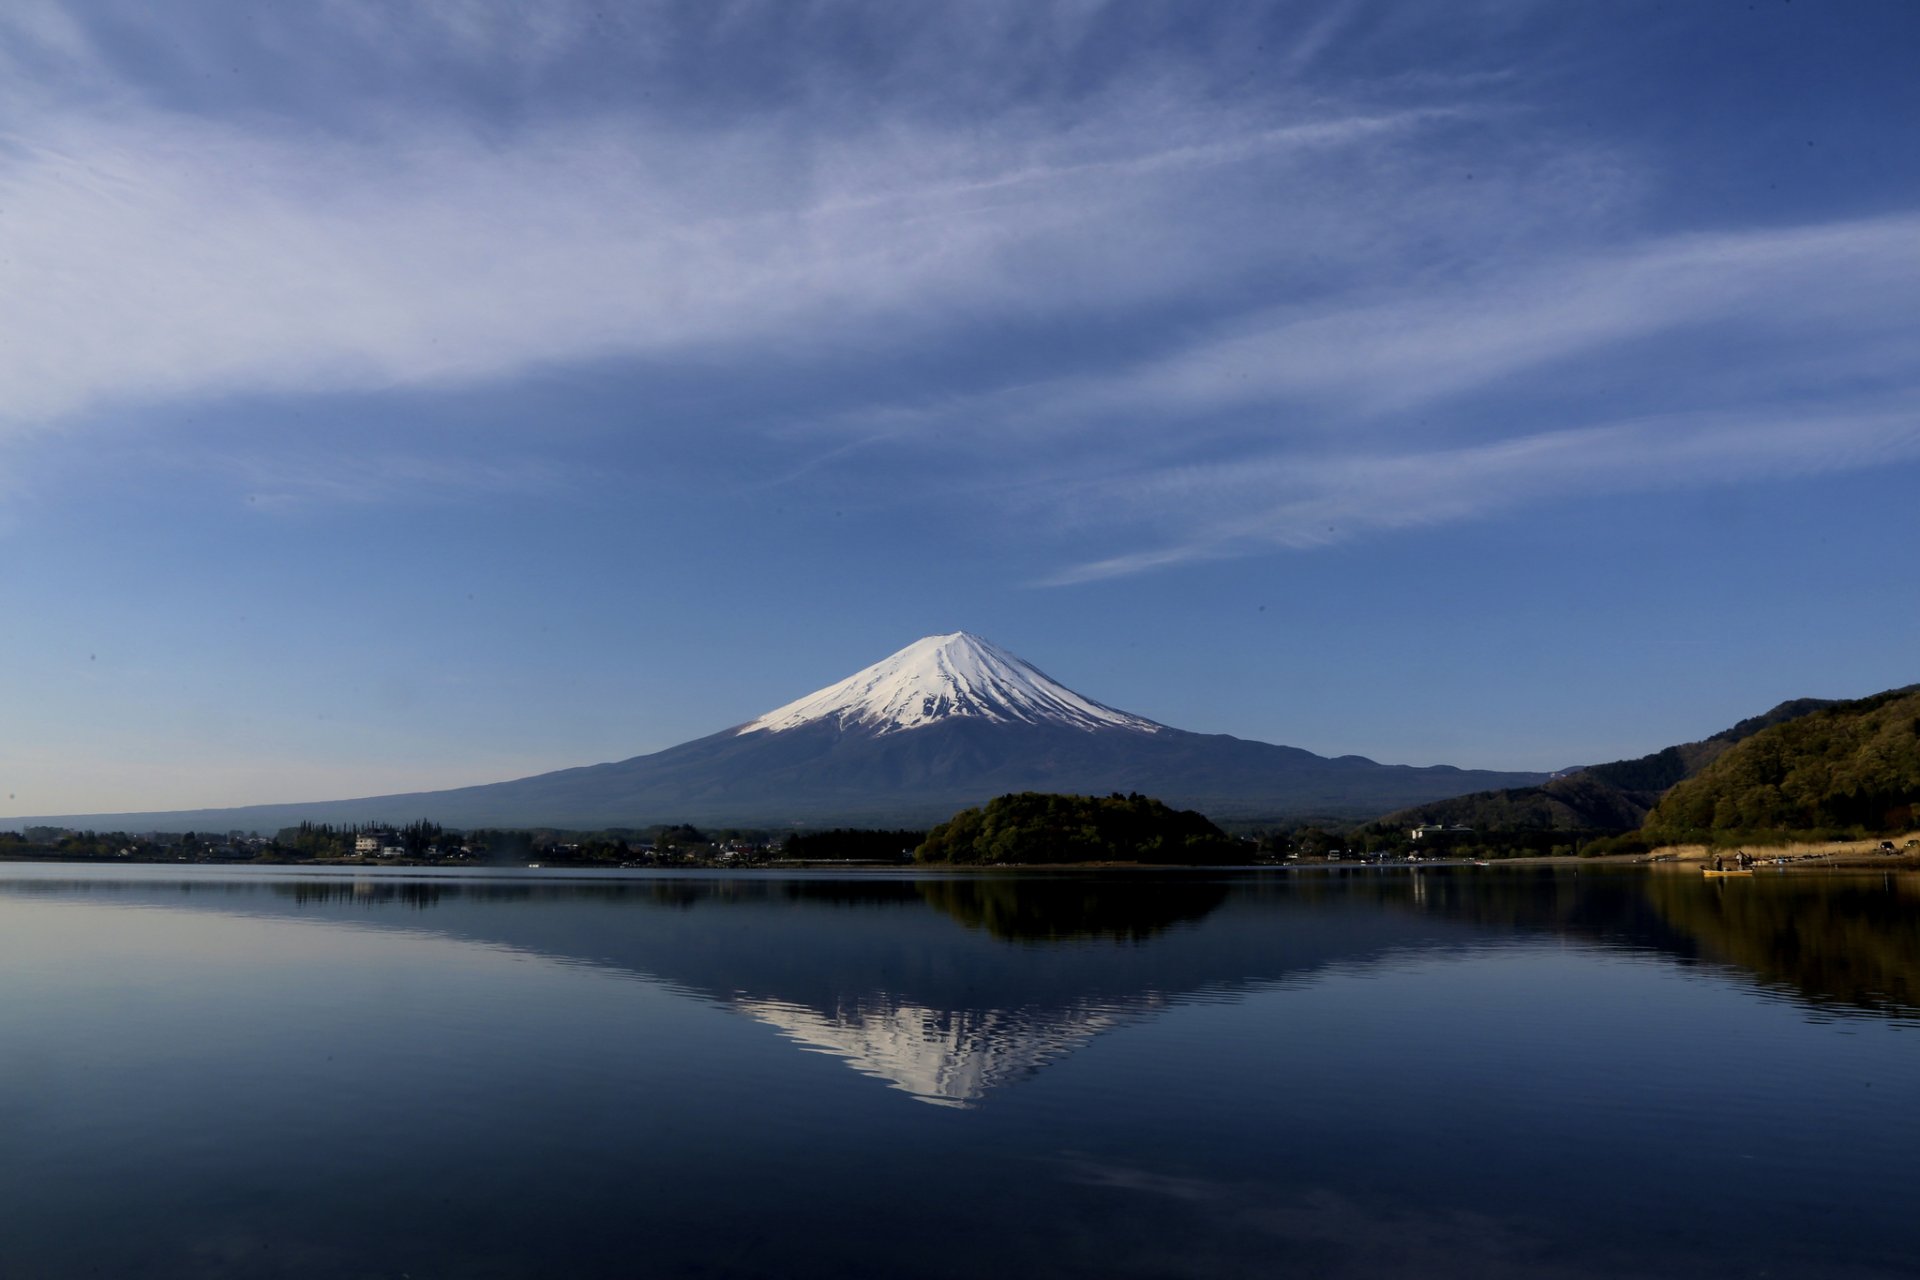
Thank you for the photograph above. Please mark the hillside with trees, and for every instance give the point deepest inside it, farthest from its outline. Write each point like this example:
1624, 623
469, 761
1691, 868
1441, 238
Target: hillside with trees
1037, 827
1601, 799
1850, 767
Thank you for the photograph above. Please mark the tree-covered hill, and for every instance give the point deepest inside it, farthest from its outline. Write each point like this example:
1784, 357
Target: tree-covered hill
1601, 798
1849, 765
1037, 827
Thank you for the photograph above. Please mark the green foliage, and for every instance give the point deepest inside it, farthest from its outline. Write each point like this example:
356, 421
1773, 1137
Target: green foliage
676, 836
1854, 766
1656, 772
1597, 802
1630, 842
324, 840
57, 844
1035, 827
315, 840
1593, 802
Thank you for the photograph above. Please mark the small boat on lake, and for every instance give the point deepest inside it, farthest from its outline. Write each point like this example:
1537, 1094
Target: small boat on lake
1710, 872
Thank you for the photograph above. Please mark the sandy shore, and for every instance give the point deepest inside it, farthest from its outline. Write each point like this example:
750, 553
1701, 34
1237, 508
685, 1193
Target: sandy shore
1807, 856
1822, 853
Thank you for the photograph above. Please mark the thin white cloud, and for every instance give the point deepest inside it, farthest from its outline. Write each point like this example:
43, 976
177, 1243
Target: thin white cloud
1326, 412
165, 256
297, 479
1267, 503
157, 256
1413, 349
1337, 365
46, 29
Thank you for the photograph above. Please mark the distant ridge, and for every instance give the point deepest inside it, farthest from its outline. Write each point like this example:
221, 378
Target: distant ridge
947, 722
1849, 765
1612, 797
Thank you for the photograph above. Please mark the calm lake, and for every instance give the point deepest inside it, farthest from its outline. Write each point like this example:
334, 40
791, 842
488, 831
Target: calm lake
1451, 1072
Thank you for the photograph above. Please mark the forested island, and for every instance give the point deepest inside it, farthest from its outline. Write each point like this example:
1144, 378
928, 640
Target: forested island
1032, 827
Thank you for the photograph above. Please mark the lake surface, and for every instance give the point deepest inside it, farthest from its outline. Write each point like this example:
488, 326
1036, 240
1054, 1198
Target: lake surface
1454, 1072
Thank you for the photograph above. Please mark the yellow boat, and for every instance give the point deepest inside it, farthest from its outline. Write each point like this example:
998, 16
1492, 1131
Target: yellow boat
1731, 871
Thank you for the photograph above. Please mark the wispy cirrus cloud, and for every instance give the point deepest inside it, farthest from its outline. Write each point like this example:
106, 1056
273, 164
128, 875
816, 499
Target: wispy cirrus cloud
1298, 502
1833, 281
163, 257
293, 480
1726, 357
1321, 276
183, 223
1372, 352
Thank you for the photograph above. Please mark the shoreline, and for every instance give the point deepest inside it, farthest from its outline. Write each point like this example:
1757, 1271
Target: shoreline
1851, 855
1812, 855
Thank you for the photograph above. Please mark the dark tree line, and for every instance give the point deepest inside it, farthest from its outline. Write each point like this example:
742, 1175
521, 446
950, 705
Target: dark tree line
1852, 767
1036, 827
324, 840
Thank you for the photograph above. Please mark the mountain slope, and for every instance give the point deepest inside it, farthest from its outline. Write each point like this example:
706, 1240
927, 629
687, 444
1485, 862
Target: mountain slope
1616, 796
947, 722
1852, 764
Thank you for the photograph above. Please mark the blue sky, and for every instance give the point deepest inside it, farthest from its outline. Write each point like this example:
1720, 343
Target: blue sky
401, 396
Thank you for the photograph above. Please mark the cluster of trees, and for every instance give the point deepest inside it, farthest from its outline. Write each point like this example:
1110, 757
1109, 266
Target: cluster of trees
1037, 827
420, 840
423, 839
316, 840
1852, 767
312, 840
1806, 770
1587, 802
46, 842
1391, 838
616, 846
85, 846
1598, 808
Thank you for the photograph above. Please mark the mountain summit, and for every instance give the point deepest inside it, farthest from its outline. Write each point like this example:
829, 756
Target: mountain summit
941, 678
947, 722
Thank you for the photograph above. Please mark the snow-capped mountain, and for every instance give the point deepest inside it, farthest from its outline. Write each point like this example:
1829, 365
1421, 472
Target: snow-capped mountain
946, 677
947, 722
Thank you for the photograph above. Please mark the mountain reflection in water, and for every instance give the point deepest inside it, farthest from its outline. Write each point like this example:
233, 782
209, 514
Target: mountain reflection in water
951, 987
1349, 1073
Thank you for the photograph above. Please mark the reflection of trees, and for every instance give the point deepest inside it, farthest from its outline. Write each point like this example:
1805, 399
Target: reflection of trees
408, 893
678, 892
1604, 907
1125, 909
1833, 941
1836, 942
674, 894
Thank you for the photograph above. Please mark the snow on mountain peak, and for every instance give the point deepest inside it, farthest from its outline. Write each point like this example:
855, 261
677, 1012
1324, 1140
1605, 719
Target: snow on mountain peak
941, 678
